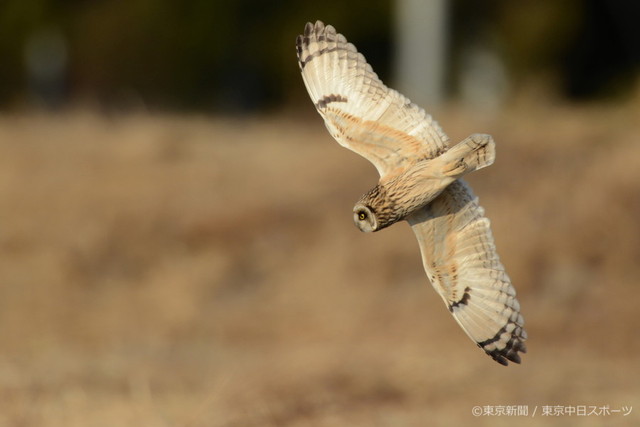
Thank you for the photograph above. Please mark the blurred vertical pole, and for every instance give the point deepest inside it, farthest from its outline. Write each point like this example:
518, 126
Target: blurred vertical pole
46, 58
421, 50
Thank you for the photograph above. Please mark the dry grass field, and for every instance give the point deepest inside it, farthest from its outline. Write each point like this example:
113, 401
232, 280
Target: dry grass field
203, 271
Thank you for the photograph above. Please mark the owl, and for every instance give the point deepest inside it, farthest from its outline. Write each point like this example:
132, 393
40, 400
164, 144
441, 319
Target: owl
420, 183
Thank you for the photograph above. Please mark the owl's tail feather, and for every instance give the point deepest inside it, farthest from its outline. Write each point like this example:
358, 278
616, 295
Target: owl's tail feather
474, 152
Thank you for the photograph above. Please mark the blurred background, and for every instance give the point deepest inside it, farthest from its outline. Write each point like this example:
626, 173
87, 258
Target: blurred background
235, 57
176, 242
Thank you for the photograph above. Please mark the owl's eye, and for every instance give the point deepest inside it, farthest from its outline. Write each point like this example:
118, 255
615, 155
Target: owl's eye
362, 215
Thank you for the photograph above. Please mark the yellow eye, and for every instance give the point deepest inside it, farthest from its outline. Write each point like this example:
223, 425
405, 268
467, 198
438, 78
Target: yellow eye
362, 216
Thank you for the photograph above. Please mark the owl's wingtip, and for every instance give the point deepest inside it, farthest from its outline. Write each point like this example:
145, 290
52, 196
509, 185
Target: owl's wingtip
510, 353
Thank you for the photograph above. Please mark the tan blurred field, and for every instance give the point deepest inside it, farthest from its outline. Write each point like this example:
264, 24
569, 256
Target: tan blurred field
202, 271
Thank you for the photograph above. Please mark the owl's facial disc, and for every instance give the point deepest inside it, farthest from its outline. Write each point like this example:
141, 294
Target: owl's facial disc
364, 218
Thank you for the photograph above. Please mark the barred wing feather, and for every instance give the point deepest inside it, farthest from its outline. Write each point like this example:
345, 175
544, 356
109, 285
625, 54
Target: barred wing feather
461, 262
360, 112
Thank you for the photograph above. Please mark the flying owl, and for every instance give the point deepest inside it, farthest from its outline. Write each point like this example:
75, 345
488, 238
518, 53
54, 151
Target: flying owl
420, 182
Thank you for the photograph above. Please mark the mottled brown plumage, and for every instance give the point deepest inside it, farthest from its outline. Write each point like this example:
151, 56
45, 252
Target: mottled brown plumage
398, 195
419, 182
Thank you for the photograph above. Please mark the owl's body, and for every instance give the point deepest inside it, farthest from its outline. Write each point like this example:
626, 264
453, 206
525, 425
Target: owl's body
420, 182
397, 196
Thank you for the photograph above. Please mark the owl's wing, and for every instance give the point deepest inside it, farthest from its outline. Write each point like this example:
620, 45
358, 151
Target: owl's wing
360, 112
460, 259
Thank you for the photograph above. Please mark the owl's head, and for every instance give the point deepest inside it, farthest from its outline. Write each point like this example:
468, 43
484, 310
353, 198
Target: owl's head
365, 218
376, 210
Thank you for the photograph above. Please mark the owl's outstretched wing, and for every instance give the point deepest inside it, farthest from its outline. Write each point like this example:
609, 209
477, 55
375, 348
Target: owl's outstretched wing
460, 259
360, 112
